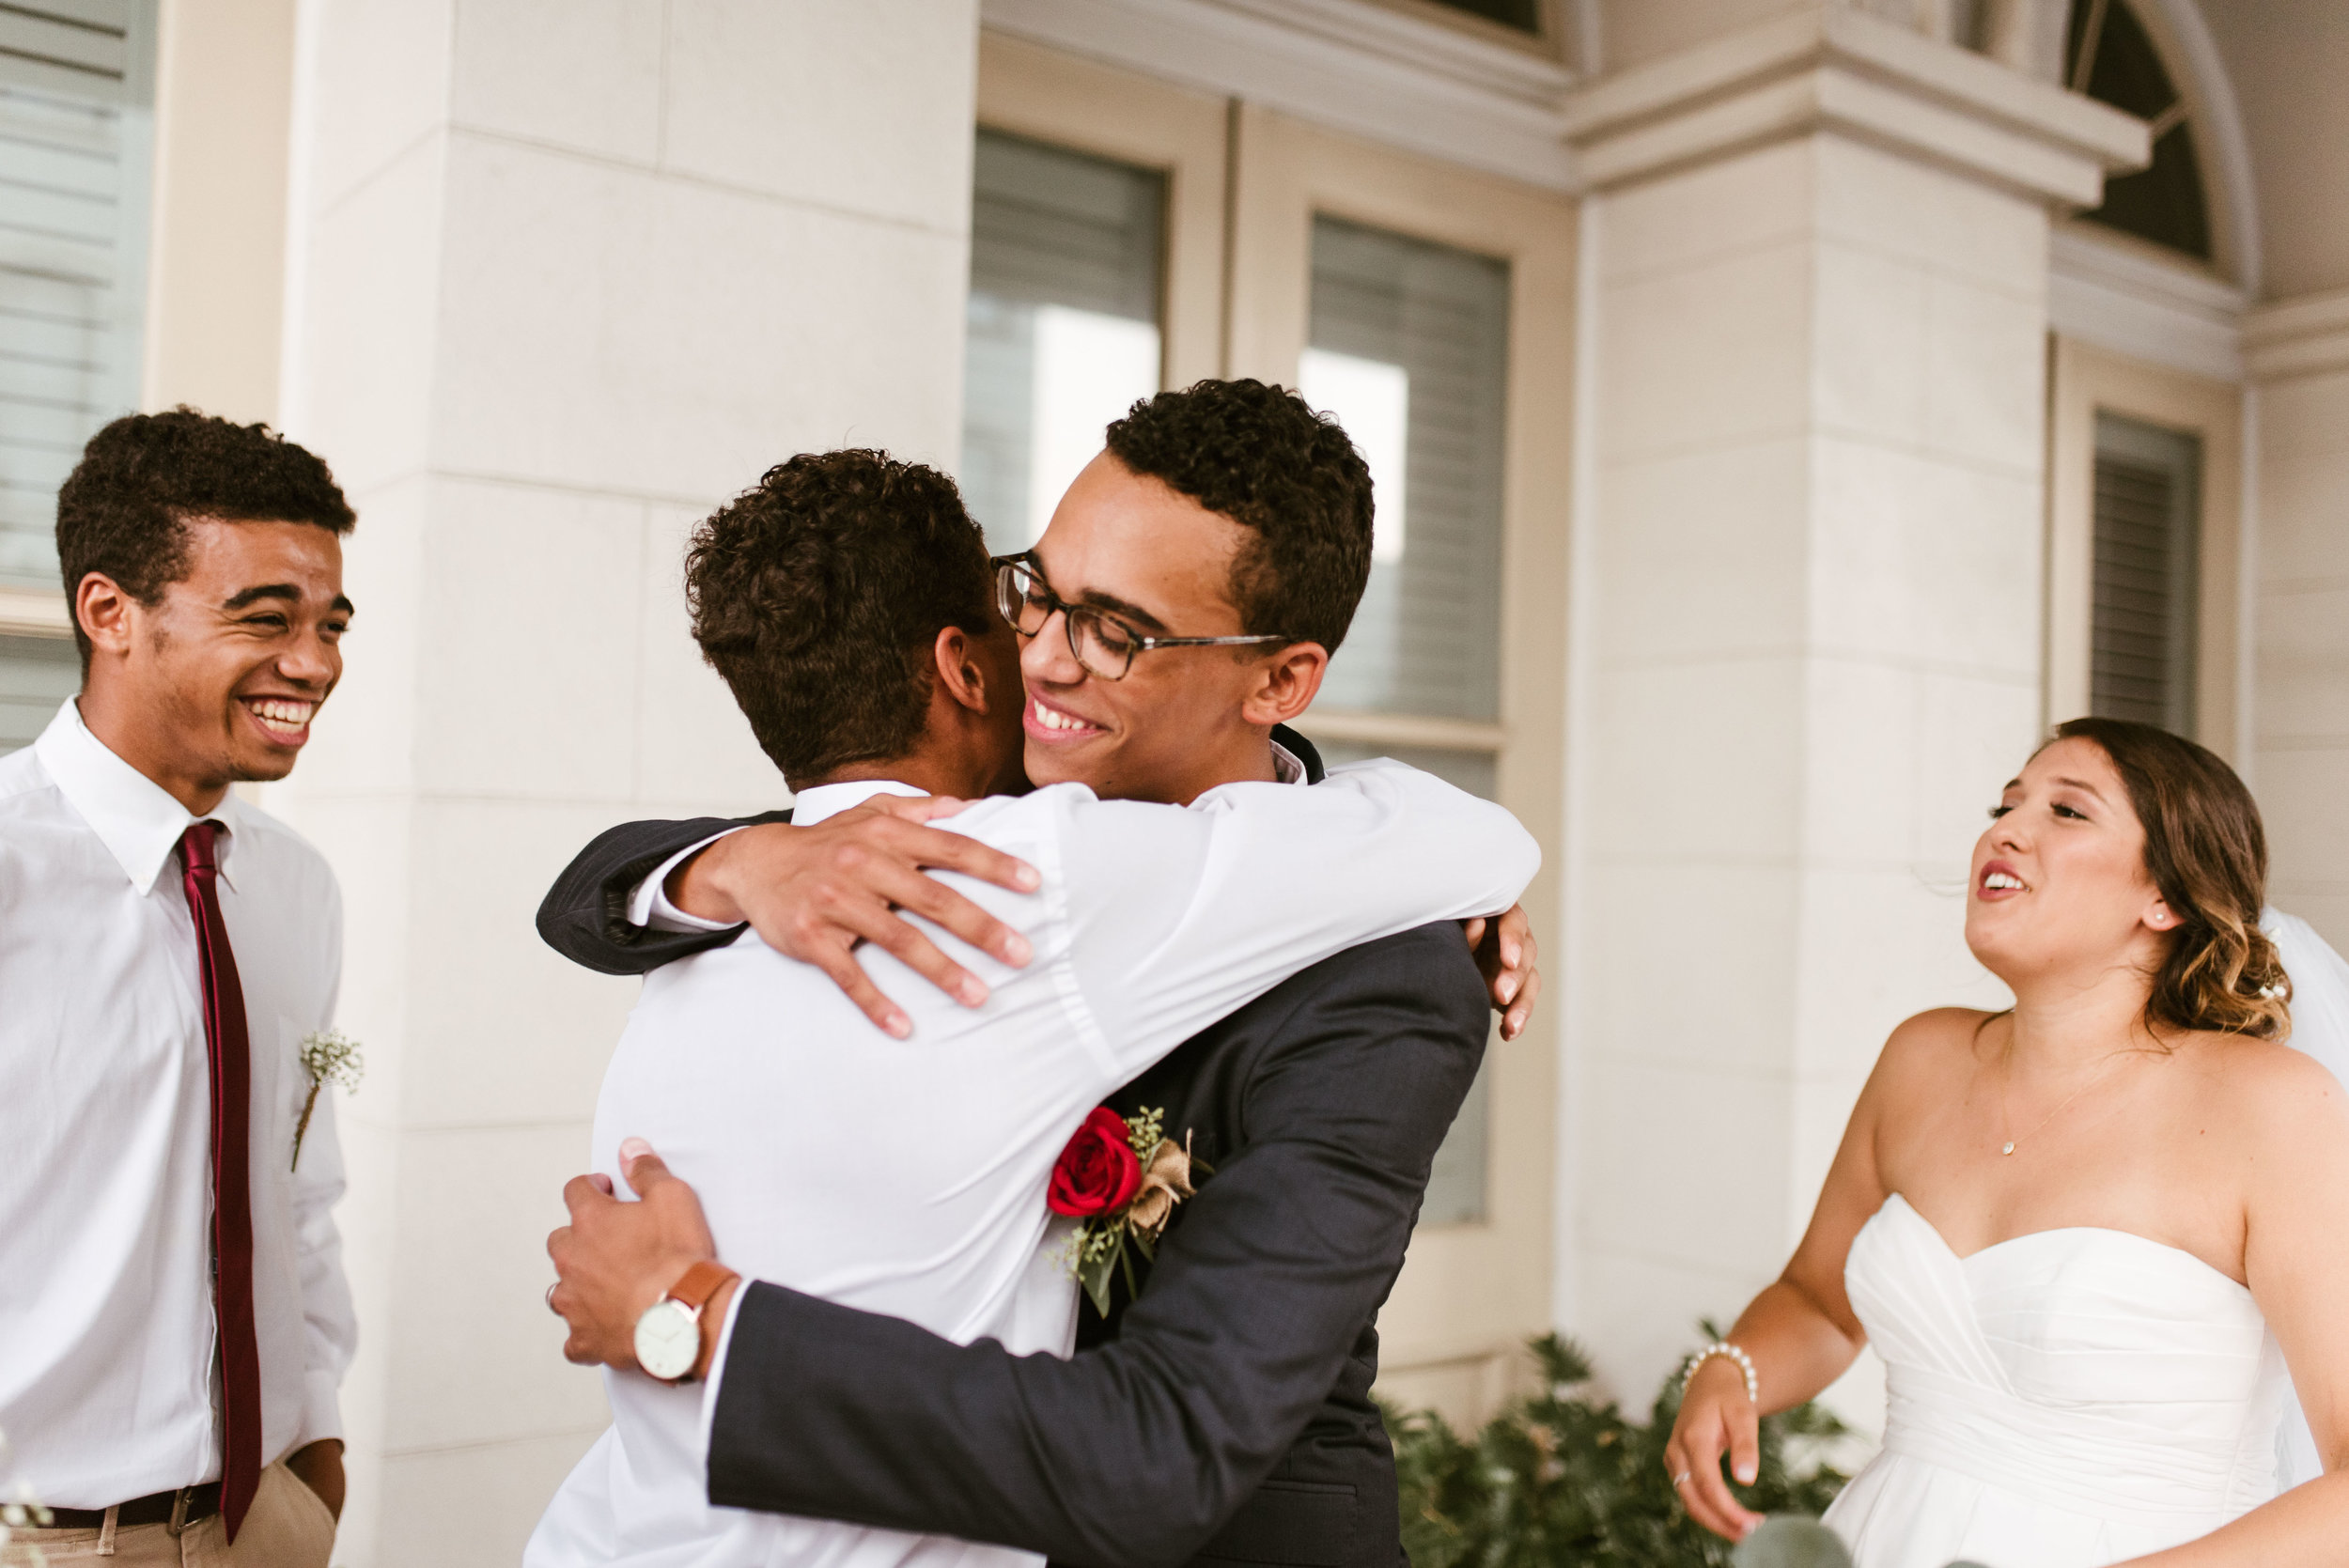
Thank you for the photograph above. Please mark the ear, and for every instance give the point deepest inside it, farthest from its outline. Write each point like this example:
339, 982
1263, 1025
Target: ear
957, 665
1288, 683
2159, 917
104, 611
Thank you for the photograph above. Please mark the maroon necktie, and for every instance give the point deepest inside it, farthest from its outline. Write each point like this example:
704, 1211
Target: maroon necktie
231, 1052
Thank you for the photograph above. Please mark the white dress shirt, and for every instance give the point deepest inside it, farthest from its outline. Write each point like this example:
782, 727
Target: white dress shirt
108, 1354
908, 1177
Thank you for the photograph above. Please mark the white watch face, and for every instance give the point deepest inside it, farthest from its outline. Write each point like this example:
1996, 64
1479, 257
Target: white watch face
668, 1341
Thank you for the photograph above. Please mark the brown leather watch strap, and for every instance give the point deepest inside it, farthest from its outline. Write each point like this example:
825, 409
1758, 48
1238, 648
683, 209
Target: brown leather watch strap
697, 1284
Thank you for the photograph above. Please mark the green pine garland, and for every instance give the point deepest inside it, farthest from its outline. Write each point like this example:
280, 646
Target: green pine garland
1556, 1480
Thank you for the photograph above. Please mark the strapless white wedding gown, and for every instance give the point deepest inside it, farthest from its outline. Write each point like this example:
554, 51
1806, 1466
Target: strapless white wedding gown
2063, 1400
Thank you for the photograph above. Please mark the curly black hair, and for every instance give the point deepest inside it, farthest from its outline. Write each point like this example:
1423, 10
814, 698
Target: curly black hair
123, 512
818, 593
1261, 457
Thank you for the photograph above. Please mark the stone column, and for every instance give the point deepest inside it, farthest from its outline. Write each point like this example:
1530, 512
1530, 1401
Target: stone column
2297, 353
1820, 253
564, 275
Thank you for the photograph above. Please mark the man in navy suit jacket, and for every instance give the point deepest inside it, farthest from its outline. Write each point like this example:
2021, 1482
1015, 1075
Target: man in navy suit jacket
1220, 1412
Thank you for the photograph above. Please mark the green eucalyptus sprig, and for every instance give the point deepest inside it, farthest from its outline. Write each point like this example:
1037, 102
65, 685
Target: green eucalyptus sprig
329, 1056
21, 1512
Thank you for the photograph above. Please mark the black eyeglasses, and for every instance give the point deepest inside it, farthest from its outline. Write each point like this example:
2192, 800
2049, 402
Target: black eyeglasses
1104, 644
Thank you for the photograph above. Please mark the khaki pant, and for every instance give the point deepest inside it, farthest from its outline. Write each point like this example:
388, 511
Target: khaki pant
288, 1527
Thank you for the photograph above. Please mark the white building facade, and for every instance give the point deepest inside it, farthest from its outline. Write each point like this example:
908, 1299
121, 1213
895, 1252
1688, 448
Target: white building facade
1784, 410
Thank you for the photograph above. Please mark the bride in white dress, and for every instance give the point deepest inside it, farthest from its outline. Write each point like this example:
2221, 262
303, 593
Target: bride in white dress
2088, 1236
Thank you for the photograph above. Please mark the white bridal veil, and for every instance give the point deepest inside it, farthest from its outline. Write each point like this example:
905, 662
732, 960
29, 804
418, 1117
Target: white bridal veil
2320, 1026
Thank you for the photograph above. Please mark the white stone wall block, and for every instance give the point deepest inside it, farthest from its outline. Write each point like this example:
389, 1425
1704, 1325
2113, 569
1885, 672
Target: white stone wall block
1675, 735
1708, 214
377, 77
1986, 376
1918, 558
583, 74
1861, 743
2308, 829
528, 644
1686, 1166
1706, 356
1871, 367
1879, 944
1939, 219
474, 1354
672, 340
2304, 664
509, 1032
1701, 963
694, 752
1703, 552
1975, 733
367, 325
861, 105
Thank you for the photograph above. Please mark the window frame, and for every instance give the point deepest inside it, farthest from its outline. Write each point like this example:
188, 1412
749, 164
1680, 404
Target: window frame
1469, 1294
2086, 380
1026, 89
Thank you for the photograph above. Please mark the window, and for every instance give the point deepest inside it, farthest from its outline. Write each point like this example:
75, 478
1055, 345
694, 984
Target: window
2113, 58
36, 674
2143, 555
1066, 283
2142, 632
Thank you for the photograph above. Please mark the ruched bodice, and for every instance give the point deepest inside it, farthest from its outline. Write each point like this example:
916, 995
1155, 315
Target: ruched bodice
2062, 1400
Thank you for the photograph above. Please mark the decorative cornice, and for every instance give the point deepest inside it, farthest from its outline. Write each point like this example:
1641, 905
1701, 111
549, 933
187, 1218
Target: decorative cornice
1379, 74
1835, 67
2297, 338
2109, 290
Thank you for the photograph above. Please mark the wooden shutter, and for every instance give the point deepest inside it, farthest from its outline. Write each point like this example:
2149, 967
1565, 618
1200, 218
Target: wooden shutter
2142, 653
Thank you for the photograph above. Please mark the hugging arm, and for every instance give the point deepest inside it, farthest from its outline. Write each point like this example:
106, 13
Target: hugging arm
585, 916
1137, 1452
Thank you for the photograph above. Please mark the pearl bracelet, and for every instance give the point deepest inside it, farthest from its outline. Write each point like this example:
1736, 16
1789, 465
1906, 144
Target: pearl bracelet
1728, 1352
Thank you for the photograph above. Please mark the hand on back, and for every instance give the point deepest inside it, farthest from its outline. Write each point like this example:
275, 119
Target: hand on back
814, 894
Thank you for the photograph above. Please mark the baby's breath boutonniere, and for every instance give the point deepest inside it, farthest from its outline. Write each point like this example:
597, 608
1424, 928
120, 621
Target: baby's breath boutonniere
329, 1057
1121, 1175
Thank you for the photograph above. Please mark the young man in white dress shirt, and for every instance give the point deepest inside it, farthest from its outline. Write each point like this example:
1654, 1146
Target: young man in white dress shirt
174, 1320
849, 602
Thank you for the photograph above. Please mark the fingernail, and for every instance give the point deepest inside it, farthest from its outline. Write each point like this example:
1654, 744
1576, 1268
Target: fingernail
1510, 985
1027, 878
1745, 1475
971, 991
898, 1025
1016, 948
633, 1150
1509, 954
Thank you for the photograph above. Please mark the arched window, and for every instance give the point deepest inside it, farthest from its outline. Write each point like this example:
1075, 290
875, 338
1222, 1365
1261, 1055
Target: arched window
2110, 56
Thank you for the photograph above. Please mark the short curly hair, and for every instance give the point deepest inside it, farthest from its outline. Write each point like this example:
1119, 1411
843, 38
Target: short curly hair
124, 510
1261, 457
818, 593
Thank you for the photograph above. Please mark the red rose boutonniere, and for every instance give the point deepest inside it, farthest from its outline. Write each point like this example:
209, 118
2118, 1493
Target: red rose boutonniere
1121, 1175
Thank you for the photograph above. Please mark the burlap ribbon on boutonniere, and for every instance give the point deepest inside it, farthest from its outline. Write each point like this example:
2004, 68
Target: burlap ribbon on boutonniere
1123, 1177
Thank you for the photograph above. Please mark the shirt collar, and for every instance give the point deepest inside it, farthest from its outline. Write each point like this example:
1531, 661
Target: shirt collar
815, 803
136, 818
1286, 766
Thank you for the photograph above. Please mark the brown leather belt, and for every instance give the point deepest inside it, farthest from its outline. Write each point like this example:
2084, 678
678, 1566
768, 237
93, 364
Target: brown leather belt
178, 1509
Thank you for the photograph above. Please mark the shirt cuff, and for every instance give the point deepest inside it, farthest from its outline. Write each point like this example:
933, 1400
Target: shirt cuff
321, 1407
718, 1369
649, 906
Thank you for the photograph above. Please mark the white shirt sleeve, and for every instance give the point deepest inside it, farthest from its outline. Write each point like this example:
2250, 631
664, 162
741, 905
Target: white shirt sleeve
330, 1321
1182, 917
648, 905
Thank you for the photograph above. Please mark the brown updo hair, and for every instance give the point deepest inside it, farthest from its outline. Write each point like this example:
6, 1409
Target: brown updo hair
2207, 854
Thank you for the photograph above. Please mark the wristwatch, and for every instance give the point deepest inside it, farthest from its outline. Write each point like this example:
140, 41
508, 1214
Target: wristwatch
669, 1335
